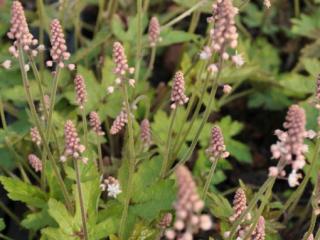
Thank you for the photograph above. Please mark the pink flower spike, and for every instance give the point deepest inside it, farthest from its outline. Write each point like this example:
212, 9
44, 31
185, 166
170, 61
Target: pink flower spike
178, 96
80, 89
154, 31
35, 162
120, 59
259, 232
145, 134
35, 136
95, 123
217, 149
119, 123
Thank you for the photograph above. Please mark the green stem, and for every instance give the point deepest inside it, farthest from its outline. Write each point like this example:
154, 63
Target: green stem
209, 179
311, 227
146, 5
100, 154
5, 237
123, 222
85, 127
38, 125
166, 159
151, 63
82, 209
297, 8
205, 118
183, 15
9, 213
52, 101
2, 114
251, 205
139, 41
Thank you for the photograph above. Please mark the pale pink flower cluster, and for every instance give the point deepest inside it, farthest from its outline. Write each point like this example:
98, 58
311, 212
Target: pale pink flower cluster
19, 31
119, 123
81, 91
290, 148
165, 221
217, 148
58, 52
73, 147
224, 34
95, 123
6, 64
35, 136
121, 65
189, 220
239, 204
318, 92
311, 237
154, 32
112, 186
267, 3
259, 232
145, 132
178, 96
35, 162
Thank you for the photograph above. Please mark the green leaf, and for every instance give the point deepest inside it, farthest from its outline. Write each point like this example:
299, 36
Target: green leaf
63, 218
312, 65
57, 234
105, 228
239, 150
307, 25
20, 191
176, 36
39, 220
219, 206
2, 224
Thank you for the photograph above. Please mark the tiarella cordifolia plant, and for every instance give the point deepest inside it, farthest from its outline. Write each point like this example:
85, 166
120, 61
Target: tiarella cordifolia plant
139, 161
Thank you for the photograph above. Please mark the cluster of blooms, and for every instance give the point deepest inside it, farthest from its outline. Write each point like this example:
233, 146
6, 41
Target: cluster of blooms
290, 148
6, 64
73, 147
95, 123
58, 52
46, 107
311, 237
80, 89
189, 220
217, 149
239, 207
35, 162
259, 232
145, 133
119, 123
19, 32
121, 66
267, 3
35, 136
112, 186
165, 221
224, 33
178, 96
154, 32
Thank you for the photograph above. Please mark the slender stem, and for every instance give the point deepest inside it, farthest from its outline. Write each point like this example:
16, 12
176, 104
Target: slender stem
312, 226
297, 8
44, 169
194, 21
264, 202
100, 154
139, 40
84, 126
146, 5
5, 237
151, 63
251, 205
2, 114
166, 159
123, 222
204, 120
38, 125
9, 213
209, 179
82, 209
183, 15
52, 101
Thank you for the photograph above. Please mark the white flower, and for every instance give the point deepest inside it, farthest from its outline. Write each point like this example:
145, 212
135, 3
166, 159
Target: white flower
227, 89
71, 67
267, 3
26, 67
110, 89
114, 189
6, 64
205, 53
293, 179
213, 68
238, 60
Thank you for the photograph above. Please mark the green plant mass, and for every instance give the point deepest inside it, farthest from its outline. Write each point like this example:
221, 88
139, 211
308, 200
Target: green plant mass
160, 120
